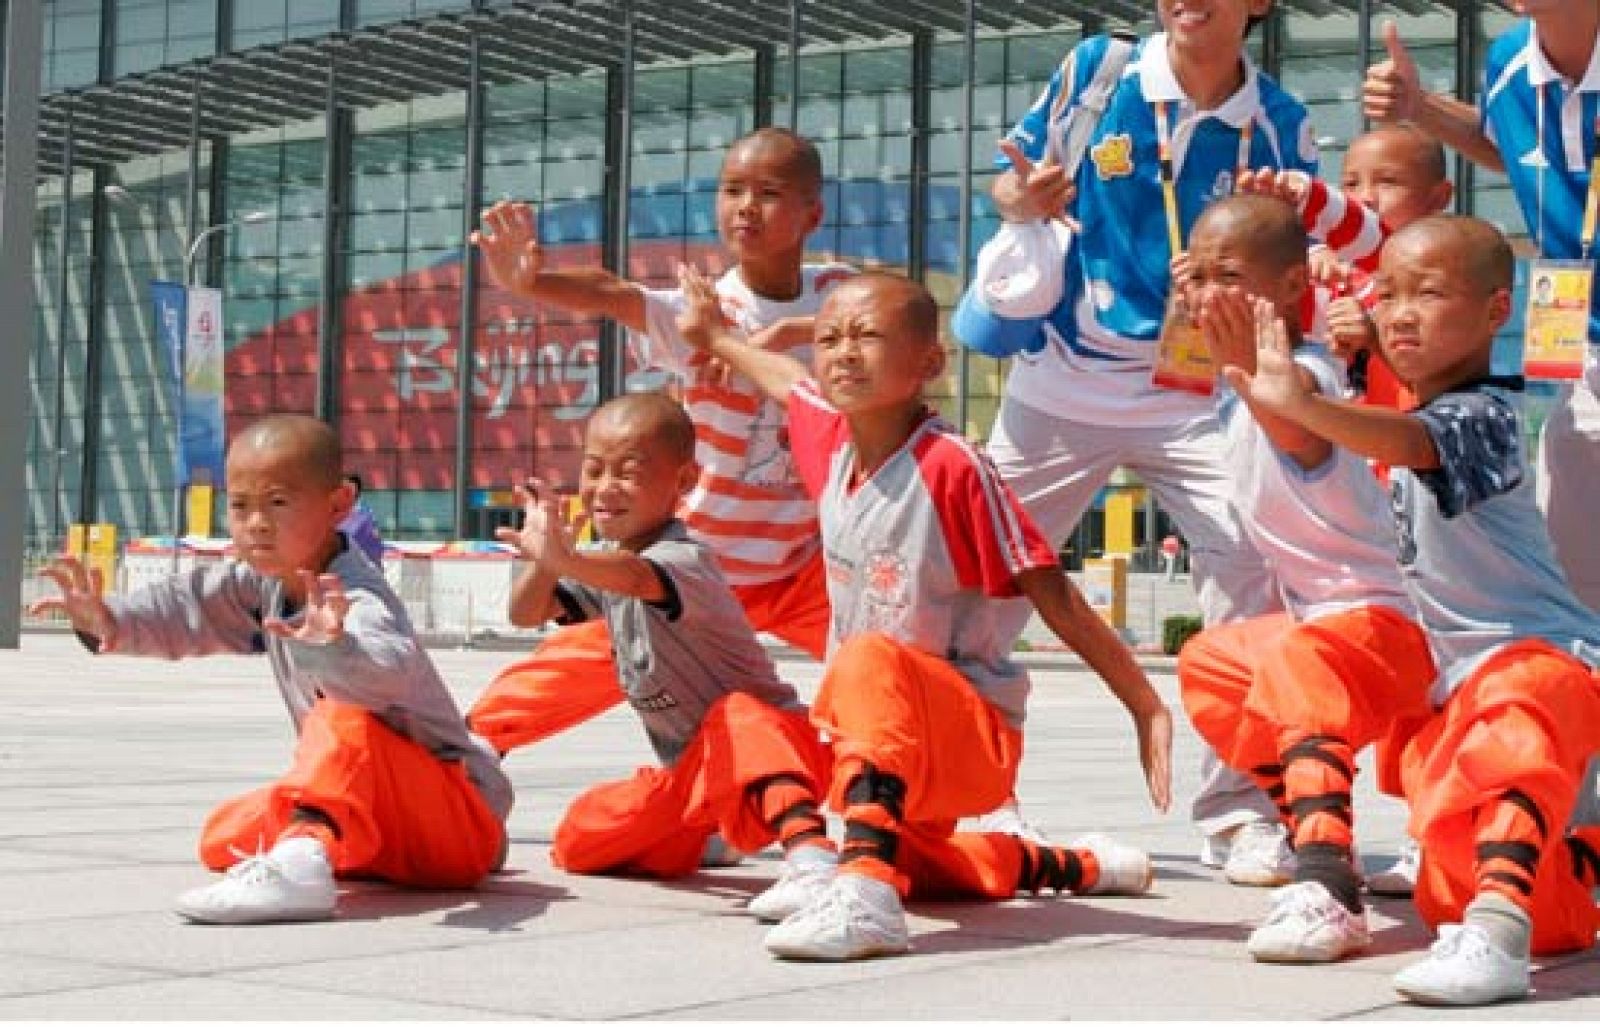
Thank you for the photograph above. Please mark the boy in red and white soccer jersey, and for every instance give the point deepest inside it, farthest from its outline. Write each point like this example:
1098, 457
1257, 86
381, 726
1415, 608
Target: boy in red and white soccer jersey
748, 504
920, 697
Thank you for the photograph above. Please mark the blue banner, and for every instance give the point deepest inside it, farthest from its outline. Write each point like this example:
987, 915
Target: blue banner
189, 326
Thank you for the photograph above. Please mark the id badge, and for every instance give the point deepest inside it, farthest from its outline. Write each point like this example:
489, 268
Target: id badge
1556, 329
1183, 360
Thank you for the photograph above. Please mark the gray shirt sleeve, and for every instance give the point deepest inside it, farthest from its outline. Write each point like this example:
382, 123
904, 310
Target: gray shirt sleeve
212, 609
374, 664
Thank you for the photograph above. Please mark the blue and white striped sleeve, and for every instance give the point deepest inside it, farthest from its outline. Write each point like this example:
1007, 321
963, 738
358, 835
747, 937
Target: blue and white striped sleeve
1479, 444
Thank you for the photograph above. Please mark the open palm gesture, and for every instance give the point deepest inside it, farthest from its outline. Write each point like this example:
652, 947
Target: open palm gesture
79, 600
544, 537
509, 242
322, 622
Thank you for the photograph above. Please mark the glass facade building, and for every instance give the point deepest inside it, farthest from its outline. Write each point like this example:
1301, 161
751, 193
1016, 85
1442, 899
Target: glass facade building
341, 266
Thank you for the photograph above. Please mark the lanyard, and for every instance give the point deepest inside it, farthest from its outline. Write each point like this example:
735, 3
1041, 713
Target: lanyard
1169, 188
1591, 202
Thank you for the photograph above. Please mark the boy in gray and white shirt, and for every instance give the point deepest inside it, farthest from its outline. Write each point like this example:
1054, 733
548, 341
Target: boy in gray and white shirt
386, 781
740, 756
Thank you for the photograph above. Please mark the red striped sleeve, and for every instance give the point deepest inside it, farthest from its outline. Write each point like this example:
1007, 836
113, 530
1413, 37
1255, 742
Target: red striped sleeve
816, 432
990, 536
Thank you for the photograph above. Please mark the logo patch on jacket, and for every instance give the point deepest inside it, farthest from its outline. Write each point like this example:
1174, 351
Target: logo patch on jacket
1113, 157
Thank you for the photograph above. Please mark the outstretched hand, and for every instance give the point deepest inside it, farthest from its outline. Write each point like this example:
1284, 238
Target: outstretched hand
1275, 384
1043, 192
322, 622
509, 242
1288, 185
1228, 325
81, 588
702, 315
544, 537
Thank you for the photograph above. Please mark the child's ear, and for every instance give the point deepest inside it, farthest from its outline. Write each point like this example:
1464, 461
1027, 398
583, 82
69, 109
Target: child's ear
1500, 308
935, 361
1443, 193
344, 497
688, 474
1296, 280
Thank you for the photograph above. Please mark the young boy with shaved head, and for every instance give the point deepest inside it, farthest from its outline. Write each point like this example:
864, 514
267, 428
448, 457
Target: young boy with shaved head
386, 780
1291, 698
919, 696
1493, 774
739, 757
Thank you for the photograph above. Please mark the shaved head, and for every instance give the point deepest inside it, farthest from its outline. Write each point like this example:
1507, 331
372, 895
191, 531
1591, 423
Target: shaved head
1410, 144
652, 415
1276, 238
915, 310
792, 153
309, 444
1479, 249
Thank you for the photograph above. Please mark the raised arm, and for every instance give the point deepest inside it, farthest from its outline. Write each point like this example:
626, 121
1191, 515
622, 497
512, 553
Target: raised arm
704, 328
1393, 91
1389, 436
1063, 608
509, 242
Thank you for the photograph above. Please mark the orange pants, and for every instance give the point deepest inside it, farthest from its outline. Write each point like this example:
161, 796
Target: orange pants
571, 678
1256, 689
656, 823
401, 813
914, 716
1527, 721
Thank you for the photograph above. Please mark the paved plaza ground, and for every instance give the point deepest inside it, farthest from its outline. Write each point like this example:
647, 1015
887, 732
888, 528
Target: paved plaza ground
109, 766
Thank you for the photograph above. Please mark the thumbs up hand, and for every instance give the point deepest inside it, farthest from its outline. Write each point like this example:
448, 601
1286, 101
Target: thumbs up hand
1392, 90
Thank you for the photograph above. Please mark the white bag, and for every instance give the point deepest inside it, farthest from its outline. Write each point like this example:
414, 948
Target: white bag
1021, 270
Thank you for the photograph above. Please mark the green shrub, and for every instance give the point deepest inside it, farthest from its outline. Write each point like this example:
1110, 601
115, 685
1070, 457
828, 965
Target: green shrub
1175, 631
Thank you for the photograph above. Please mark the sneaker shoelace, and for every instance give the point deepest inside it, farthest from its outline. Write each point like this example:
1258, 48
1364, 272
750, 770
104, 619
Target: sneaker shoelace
254, 867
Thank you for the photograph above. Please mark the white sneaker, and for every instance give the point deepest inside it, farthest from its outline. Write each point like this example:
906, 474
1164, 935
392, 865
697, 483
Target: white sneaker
1400, 877
1308, 925
1124, 869
1007, 819
1464, 968
1260, 855
718, 853
1214, 849
807, 872
272, 887
855, 917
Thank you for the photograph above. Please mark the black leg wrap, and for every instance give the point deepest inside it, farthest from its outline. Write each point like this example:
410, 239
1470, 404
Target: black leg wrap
1528, 806
1585, 861
1312, 749
863, 841
874, 786
1330, 866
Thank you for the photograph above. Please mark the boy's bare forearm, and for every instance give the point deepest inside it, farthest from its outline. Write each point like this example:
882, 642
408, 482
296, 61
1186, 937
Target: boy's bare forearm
1392, 437
593, 291
533, 599
774, 373
618, 572
1456, 124
1064, 610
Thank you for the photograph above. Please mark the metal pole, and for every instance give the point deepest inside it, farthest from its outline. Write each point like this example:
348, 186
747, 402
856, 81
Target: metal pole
63, 282
19, 100
1364, 47
192, 239
612, 376
795, 14
969, 89
471, 200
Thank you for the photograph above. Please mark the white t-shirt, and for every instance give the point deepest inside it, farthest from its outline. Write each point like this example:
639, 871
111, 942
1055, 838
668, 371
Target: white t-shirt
1328, 533
748, 504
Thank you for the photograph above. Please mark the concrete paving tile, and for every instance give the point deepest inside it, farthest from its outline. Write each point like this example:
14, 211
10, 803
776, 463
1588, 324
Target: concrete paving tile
632, 970
30, 975
214, 998
373, 919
